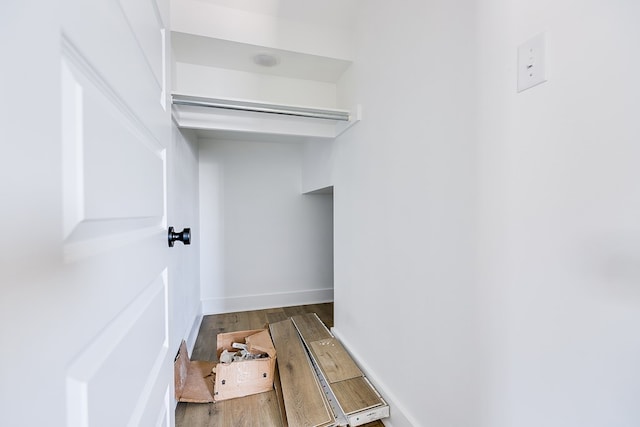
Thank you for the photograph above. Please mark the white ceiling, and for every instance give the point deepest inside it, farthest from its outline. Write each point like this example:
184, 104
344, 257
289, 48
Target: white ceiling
330, 13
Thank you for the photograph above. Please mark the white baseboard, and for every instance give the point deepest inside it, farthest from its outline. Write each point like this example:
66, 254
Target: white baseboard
263, 301
399, 415
193, 333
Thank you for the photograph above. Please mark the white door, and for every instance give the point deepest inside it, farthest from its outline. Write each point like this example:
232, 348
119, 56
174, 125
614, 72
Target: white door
85, 127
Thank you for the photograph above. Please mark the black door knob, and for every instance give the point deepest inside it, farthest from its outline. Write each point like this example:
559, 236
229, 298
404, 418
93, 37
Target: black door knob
184, 236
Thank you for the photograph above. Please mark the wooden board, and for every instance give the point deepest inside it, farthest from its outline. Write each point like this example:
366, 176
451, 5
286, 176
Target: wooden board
304, 400
335, 362
277, 385
311, 327
355, 395
276, 317
258, 409
254, 407
350, 390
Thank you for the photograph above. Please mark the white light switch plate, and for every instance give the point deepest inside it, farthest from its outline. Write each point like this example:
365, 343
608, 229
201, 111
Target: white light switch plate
532, 62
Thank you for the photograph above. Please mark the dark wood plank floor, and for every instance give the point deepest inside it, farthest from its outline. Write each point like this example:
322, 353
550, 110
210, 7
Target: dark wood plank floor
251, 411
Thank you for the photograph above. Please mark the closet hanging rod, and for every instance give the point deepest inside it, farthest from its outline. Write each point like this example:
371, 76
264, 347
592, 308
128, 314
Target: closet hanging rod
230, 104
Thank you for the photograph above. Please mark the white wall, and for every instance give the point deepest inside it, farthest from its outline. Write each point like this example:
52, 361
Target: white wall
263, 243
404, 182
200, 80
184, 271
317, 166
32, 214
560, 213
268, 27
493, 235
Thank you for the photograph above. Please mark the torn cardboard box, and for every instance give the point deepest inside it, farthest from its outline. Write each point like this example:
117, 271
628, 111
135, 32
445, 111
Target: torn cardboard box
245, 377
193, 379
203, 382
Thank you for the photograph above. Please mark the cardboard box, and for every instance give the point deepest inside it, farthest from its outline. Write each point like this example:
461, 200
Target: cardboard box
243, 378
197, 381
193, 379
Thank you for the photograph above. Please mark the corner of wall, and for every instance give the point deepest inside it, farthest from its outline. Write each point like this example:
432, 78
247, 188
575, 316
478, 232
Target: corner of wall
399, 417
264, 301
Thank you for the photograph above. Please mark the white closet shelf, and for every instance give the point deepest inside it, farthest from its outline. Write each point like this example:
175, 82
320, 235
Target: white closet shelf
230, 115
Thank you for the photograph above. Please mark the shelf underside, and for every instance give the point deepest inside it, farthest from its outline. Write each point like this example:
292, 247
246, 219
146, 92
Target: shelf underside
223, 118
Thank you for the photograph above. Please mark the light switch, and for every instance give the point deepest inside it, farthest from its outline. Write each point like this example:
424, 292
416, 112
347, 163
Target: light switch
532, 62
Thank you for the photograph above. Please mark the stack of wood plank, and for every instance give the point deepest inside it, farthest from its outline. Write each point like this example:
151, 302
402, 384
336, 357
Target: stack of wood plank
320, 384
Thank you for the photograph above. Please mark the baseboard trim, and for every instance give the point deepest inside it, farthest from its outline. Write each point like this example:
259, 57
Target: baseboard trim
264, 301
193, 333
399, 415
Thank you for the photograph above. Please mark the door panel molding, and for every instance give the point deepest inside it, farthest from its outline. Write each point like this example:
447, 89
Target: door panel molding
74, 251
108, 38
104, 145
81, 64
115, 143
139, 334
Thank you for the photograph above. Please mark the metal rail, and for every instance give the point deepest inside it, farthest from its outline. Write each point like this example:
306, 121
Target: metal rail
257, 107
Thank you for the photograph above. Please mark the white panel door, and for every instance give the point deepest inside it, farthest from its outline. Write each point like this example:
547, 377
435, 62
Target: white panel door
84, 304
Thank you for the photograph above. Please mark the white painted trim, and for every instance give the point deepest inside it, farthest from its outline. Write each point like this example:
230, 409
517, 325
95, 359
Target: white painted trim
261, 107
207, 118
399, 415
193, 333
355, 117
107, 344
264, 301
189, 117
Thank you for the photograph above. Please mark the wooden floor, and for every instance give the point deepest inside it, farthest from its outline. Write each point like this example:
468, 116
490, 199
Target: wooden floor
251, 411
